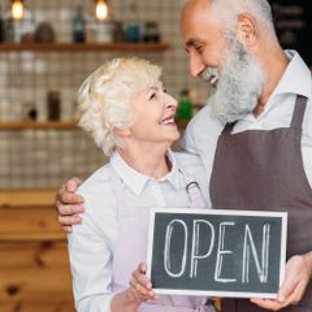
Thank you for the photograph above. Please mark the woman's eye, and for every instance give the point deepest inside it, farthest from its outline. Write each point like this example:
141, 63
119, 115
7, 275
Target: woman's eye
153, 96
165, 90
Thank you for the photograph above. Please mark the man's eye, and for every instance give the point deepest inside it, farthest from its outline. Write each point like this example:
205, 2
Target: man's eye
200, 49
165, 90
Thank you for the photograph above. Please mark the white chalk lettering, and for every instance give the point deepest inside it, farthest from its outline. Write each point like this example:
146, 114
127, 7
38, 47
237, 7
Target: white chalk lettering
249, 245
195, 256
167, 259
220, 254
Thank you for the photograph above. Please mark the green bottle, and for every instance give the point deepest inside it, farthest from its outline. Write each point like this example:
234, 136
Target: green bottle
184, 111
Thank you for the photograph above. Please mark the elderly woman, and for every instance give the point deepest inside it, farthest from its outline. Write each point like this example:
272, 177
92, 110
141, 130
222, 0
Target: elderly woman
126, 109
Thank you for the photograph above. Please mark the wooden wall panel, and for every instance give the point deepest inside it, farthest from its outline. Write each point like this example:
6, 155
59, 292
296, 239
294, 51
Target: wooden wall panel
37, 306
32, 255
34, 266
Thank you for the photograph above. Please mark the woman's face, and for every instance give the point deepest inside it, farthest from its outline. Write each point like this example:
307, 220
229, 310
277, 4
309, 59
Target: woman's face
154, 112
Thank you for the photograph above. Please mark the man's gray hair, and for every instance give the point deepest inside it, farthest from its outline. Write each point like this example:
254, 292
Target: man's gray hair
227, 13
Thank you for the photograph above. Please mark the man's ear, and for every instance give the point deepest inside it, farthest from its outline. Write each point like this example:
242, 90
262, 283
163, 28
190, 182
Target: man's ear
246, 30
122, 132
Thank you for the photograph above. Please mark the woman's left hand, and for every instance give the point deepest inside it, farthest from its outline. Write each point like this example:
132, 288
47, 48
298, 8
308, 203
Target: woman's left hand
297, 277
140, 286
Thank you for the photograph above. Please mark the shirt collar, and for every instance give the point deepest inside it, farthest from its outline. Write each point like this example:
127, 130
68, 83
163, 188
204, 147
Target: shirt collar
297, 77
136, 181
295, 80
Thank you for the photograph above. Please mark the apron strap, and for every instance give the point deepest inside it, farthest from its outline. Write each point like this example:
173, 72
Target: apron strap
193, 190
227, 130
298, 114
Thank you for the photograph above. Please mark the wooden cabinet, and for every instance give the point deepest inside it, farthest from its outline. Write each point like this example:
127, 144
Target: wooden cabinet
34, 267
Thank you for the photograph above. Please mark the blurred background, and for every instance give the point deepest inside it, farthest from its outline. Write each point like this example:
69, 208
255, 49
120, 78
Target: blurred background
47, 49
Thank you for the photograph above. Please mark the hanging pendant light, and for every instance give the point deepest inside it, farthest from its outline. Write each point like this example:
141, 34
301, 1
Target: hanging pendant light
17, 9
101, 10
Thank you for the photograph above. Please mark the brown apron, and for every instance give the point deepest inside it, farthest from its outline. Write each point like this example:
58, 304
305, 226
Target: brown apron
263, 170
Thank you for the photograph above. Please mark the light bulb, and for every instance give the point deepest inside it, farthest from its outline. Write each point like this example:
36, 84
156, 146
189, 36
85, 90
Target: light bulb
17, 10
101, 10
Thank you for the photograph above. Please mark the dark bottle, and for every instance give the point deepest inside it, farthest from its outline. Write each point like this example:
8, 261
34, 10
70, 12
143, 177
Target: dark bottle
151, 32
2, 27
79, 29
54, 105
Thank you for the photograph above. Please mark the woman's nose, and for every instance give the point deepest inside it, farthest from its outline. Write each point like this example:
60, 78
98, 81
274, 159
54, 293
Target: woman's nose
172, 104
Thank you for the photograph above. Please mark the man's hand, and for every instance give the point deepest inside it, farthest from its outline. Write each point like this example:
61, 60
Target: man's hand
69, 204
297, 277
140, 286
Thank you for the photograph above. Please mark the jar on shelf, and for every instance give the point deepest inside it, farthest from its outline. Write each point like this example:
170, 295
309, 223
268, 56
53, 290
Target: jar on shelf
151, 32
132, 29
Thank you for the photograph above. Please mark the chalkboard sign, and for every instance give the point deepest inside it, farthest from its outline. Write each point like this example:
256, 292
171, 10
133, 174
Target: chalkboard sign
293, 24
225, 253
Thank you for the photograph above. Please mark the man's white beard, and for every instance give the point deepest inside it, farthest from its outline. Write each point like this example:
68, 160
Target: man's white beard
239, 84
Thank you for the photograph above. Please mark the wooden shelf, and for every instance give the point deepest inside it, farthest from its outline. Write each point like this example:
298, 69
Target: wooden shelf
81, 47
29, 197
38, 125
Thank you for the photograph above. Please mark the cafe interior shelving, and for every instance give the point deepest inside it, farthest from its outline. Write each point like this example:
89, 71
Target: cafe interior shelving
42, 152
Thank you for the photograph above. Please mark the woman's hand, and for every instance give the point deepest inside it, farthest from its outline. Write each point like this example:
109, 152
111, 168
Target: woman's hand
140, 286
140, 290
297, 277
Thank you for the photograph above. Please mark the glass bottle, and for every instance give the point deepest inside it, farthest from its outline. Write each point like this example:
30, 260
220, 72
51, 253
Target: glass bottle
79, 33
184, 111
133, 31
2, 26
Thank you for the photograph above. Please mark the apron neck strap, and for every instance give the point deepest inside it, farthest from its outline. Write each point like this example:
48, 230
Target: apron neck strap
298, 114
193, 190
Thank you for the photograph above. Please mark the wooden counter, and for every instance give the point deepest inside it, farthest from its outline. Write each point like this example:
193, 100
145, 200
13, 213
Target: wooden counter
34, 268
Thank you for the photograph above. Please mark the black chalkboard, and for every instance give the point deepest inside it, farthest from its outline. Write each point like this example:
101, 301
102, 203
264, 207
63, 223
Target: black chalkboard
293, 24
216, 252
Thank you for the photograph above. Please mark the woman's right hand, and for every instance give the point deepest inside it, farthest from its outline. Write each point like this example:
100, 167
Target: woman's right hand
140, 286
69, 204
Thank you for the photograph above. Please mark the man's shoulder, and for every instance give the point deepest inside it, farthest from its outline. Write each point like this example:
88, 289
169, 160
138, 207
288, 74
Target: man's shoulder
205, 121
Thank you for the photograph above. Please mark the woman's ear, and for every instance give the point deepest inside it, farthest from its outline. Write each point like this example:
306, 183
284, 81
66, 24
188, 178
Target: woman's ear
246, 30
122, 132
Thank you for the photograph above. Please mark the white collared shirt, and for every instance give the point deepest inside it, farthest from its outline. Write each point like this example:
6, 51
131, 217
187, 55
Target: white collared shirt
91, 244
203, 131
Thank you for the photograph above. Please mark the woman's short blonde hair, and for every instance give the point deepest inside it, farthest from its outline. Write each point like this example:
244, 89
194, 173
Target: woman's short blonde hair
105, 97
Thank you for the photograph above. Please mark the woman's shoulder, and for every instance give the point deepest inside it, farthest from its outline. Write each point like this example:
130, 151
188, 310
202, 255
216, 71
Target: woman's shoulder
98, 183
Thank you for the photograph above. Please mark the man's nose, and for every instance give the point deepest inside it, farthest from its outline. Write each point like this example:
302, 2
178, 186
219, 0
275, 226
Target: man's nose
196, 65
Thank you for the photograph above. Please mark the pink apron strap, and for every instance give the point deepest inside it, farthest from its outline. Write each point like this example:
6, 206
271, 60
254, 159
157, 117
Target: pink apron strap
193, 191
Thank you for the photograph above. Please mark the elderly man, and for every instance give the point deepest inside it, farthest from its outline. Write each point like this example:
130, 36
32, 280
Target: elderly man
254, 137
